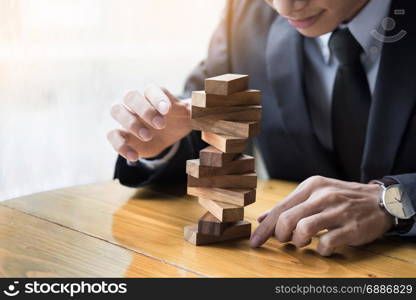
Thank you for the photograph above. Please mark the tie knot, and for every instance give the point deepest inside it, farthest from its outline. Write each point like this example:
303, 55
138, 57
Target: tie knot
345, 47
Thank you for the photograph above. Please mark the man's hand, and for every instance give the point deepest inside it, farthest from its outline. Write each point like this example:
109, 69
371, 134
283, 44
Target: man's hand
152, 122
348, 210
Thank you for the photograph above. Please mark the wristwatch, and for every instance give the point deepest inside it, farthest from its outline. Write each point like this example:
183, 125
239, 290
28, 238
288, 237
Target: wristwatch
397, 204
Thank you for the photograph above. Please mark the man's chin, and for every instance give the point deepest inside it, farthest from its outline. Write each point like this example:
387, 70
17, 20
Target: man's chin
314, 32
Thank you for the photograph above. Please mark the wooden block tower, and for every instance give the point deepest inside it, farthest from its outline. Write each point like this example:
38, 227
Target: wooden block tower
223, 179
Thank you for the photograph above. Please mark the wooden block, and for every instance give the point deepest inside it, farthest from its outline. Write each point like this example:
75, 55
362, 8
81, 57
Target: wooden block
248, 97
238, 129
243, 115
232, 113
241, 165
226, 84
224, 212
211, 156
240, 181
241, 229
210, 225
240, 197
225, 143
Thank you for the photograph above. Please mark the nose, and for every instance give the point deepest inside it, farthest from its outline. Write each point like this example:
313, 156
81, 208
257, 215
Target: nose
287, 7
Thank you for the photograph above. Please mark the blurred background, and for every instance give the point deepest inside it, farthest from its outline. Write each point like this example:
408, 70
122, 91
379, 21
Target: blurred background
63, 63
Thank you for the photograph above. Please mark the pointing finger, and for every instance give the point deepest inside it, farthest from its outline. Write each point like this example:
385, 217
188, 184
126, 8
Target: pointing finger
265, 230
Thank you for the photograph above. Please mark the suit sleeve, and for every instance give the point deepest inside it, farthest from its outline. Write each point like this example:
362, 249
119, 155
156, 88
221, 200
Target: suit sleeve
136, 175
216, 63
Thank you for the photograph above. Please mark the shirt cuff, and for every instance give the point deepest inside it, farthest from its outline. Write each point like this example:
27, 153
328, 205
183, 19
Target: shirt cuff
155, 163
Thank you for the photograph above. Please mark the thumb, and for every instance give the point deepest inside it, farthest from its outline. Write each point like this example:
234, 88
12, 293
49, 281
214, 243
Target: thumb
263, 216
183, 105
173, 99
265, 230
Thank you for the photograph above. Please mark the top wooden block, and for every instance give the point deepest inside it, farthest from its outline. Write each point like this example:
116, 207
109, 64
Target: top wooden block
226, 84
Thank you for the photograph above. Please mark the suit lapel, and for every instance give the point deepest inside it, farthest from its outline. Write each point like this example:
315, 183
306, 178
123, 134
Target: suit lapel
284, 63
394, 97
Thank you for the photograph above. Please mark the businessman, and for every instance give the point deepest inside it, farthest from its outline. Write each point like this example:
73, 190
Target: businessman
339, 115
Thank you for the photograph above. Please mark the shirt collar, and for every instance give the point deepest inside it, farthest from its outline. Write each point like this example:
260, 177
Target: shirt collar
361, 27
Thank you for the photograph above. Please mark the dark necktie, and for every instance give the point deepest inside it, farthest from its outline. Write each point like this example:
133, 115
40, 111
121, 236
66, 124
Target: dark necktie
351, 102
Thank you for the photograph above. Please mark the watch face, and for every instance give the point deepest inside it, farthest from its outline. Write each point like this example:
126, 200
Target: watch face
396, 203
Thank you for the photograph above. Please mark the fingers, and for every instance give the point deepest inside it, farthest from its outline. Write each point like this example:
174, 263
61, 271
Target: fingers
142, 107
319, 200
128, 145
308, 227
346, 209
267, 227
142, 118
264, 230
131, 122
288, 220
331, 240
118, 140
158, 99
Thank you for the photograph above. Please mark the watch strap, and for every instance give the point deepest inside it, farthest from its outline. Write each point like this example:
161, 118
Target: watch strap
404, 226
386, 181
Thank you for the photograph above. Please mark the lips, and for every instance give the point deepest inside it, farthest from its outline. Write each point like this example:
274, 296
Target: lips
304, 23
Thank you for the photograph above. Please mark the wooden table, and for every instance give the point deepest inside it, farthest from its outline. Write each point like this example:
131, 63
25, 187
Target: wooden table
107, 230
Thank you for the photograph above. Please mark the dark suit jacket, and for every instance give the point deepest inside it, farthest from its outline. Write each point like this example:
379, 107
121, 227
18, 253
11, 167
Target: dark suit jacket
252, 39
